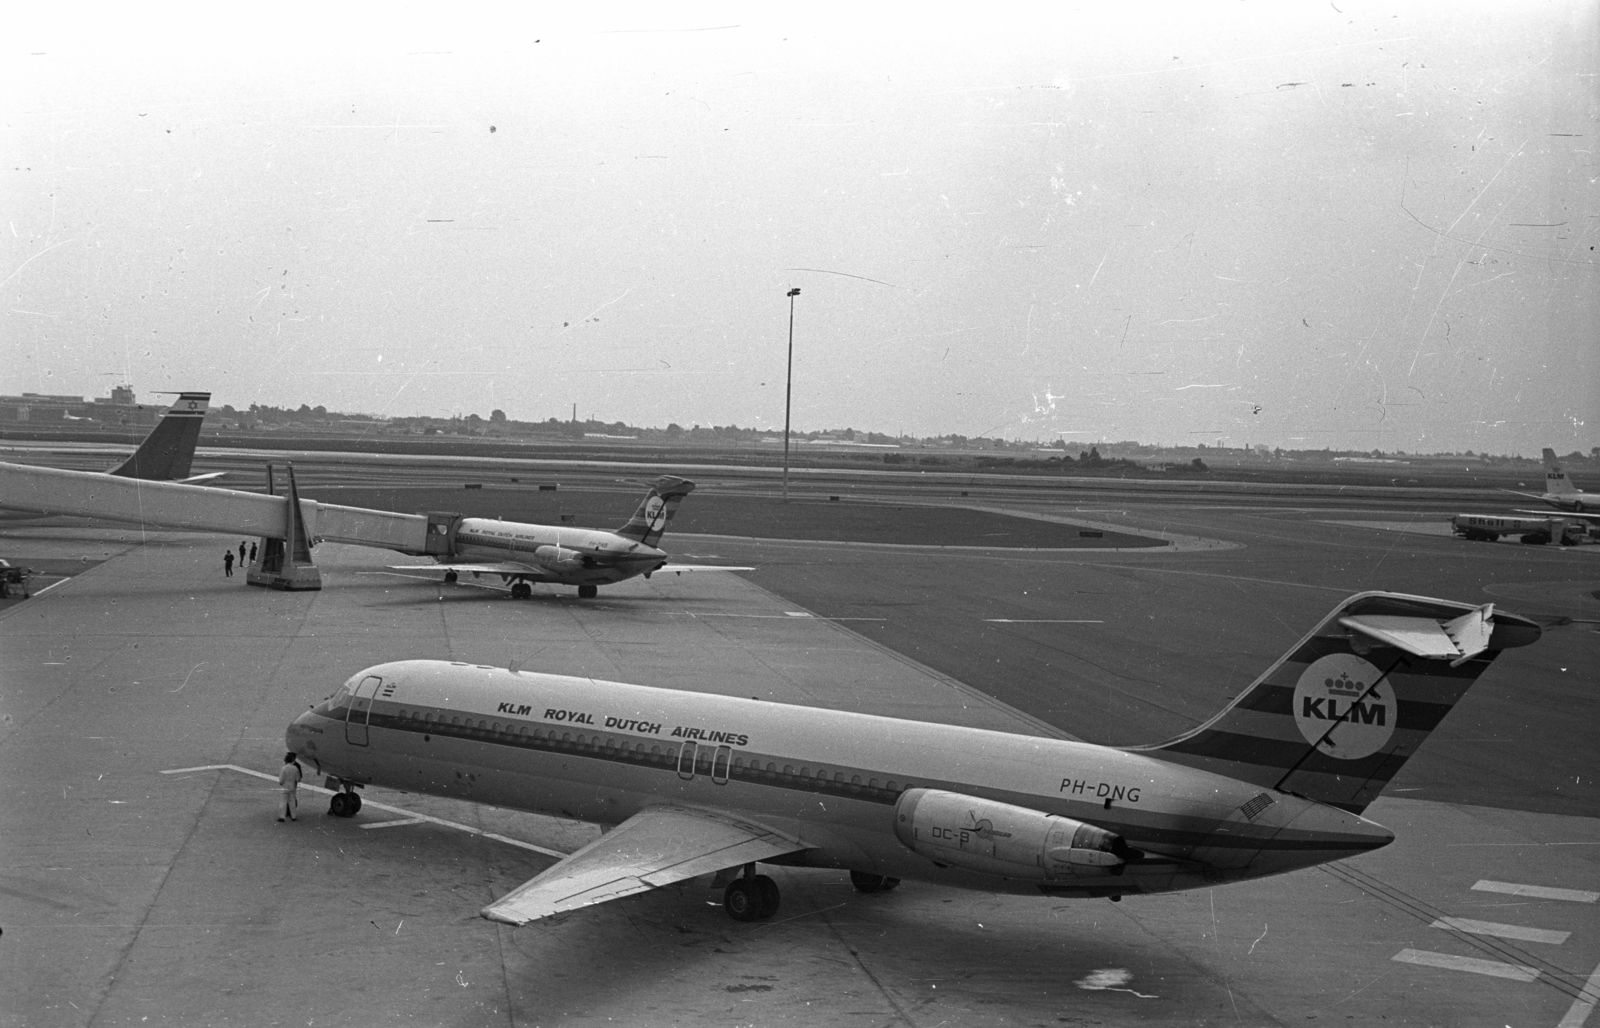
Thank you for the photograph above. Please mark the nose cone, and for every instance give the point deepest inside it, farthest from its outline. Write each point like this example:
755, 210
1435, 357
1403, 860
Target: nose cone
298, 735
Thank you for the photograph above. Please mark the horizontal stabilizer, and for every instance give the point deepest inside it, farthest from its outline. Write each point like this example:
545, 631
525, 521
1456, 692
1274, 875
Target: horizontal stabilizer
655, 847
1454, 640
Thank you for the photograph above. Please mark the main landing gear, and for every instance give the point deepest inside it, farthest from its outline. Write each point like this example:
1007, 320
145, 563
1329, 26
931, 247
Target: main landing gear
345, 804
450, 576
751, 898
865, 882
521, 591
588, 592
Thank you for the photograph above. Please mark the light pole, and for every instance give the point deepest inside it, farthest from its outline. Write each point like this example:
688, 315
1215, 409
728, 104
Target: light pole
788, 387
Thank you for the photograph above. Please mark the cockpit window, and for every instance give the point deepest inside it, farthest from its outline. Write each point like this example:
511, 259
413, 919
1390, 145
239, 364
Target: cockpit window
338, 700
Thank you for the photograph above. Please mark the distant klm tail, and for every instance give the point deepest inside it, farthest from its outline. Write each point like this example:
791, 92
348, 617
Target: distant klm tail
656, 509
168, 451
1555, 479
1337, 716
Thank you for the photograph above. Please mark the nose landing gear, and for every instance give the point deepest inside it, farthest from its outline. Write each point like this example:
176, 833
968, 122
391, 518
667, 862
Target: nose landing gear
344, 804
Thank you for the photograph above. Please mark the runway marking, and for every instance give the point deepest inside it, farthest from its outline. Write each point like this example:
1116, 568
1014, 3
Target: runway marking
414, 818
1584, 1005
1538, 891
1503, 931
1037, 621
1451, 962
394, 824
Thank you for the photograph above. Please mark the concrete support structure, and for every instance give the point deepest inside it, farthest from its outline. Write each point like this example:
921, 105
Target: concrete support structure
286, 563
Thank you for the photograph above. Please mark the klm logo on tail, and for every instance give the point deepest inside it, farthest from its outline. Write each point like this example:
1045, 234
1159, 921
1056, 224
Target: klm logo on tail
1342, 707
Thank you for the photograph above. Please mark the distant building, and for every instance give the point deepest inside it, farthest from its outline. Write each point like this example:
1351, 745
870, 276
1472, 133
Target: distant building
49, 409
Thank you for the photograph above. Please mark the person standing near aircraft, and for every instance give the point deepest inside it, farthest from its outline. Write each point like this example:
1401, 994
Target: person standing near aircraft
252, 553
227, 563
288, 783
241, 553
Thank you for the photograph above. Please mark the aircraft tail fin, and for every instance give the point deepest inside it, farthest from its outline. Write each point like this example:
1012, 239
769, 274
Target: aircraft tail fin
1555, 479
168, 451
656, 509
1339, 714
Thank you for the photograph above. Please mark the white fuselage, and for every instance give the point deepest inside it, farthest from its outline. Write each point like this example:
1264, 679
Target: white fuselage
575, 556
1577, 501
602, 751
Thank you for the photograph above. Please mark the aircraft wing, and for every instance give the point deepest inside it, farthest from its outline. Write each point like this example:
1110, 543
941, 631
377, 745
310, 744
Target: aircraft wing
654, 847
679, 568
496, 567
1579, 515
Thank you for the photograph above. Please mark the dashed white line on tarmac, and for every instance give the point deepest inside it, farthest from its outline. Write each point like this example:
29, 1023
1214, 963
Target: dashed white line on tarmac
1451, 962
394, 824
1538, 891
1502, 931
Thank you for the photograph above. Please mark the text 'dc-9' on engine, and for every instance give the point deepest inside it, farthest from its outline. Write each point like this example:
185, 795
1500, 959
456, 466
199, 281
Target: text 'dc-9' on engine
1001, 839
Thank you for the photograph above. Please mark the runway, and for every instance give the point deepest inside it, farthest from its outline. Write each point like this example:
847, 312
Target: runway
135, 896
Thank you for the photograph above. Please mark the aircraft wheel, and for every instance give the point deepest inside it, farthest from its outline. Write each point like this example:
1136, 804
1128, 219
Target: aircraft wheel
865, 882
767, 891
522, 591
340, 805
742, 900
354, 804
588, 592
450, 576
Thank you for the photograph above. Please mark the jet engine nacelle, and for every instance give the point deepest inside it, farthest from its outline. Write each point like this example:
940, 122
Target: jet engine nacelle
1002, 839
558, 558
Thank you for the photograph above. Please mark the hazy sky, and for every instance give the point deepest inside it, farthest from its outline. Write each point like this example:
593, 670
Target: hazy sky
1347, 225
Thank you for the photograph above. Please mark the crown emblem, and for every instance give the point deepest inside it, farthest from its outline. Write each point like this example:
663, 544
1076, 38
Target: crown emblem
1343, 686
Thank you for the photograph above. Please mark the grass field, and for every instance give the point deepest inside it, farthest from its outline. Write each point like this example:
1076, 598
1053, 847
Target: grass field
754, 516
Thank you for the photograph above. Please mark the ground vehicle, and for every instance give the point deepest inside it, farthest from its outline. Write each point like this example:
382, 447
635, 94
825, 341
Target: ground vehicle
12, 577
1535, 530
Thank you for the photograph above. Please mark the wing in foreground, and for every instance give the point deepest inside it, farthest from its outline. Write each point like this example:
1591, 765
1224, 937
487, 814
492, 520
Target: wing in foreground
654, 847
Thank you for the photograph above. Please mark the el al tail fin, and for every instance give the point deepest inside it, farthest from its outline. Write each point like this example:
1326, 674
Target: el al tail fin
656, 509
1339, 714
168, 450
1555, 479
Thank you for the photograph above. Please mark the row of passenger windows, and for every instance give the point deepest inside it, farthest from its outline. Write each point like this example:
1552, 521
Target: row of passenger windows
656, 754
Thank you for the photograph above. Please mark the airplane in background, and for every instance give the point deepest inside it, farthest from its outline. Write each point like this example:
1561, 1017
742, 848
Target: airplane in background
699, 784
521, 554
1560, 493
167, 453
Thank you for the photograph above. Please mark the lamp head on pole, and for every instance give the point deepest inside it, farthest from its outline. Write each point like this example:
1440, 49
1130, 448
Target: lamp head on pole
794, 292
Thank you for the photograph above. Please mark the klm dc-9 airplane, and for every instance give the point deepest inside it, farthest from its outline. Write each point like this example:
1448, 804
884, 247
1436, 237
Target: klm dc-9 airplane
700, 784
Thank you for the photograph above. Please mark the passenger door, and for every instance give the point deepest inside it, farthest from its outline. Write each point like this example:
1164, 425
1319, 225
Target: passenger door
355, 722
